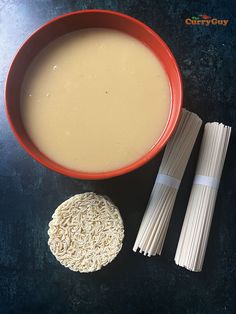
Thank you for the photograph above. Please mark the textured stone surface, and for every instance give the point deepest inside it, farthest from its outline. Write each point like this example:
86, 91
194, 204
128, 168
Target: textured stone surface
31, 280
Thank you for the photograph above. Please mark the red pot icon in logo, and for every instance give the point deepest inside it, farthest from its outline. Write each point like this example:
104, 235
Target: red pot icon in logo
205, 17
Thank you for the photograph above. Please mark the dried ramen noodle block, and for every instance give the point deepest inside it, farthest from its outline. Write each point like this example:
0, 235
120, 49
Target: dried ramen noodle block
86, 232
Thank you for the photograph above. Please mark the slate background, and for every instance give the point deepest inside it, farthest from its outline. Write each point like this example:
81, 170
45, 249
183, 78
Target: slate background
31, 280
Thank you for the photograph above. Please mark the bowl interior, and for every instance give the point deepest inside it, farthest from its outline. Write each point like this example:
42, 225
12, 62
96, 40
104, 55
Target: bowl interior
75, 21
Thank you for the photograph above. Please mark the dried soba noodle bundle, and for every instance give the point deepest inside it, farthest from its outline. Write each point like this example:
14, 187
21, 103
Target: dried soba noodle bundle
196, 227
86, 232
156, 219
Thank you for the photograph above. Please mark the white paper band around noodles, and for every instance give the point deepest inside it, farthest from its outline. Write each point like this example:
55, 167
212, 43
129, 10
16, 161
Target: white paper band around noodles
168, 180
207, 181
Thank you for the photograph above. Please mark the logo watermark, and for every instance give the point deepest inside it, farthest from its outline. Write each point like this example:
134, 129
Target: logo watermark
205, 20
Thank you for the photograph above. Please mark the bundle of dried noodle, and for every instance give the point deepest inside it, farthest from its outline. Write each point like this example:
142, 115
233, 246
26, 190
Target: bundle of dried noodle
196, 227
86, 232
156, 219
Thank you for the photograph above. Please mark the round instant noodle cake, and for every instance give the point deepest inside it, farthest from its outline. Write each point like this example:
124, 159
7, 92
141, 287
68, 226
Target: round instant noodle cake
86, 232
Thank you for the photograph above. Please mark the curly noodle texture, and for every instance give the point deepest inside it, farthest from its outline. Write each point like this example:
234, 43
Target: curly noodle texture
86, 232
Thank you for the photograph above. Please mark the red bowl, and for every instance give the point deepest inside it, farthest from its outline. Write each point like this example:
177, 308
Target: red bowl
71, 22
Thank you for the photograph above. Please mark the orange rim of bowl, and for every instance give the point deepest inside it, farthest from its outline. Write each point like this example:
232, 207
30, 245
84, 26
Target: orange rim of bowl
169, 129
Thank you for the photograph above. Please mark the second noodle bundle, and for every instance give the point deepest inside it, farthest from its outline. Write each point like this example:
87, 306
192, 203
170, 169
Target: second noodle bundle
196, 227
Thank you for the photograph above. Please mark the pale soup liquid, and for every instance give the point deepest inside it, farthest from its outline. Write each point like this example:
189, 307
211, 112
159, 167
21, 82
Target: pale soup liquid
95, 100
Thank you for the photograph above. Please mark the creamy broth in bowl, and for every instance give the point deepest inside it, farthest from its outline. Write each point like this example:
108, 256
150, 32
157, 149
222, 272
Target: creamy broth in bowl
95, 100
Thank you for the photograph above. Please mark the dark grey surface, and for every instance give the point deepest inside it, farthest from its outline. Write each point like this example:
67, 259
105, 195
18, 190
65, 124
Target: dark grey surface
31, 280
